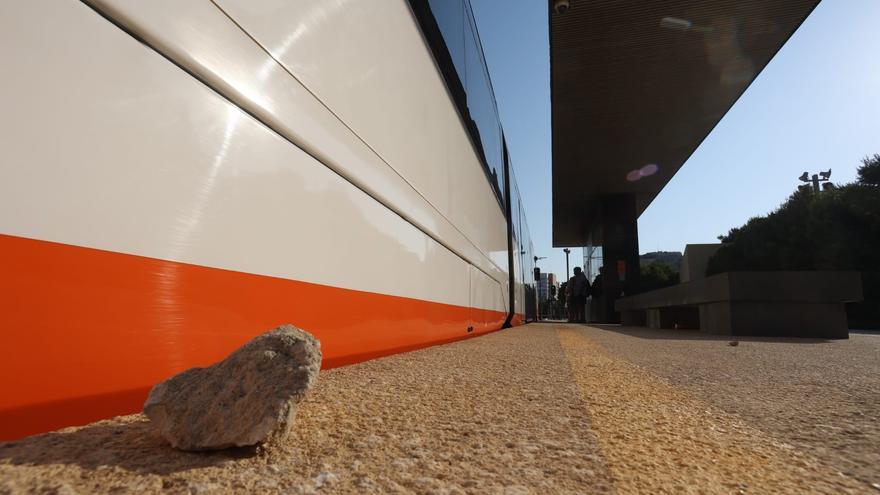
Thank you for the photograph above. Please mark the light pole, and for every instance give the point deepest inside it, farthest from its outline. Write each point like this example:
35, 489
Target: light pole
567, 275
805, 177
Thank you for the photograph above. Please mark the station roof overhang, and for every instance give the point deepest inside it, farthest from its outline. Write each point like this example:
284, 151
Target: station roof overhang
636, 85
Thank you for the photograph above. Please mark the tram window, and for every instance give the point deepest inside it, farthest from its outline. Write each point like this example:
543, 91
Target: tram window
481, 106
457, 27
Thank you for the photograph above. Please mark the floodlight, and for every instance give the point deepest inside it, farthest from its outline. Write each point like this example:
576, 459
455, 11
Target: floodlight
825, 175
805, 177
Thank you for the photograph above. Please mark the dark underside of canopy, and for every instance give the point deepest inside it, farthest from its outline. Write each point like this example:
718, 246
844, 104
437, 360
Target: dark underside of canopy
638, 84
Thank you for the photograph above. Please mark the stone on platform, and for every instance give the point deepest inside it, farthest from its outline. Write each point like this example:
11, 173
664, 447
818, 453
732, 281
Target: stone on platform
247, 399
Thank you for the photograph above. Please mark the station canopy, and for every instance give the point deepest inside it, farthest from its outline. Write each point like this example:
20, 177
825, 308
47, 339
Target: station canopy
636, 85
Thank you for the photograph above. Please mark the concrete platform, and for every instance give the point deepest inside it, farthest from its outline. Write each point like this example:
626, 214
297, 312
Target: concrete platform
545, 408
772, 303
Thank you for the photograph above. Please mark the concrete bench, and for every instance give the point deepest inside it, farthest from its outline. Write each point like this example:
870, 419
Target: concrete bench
790, 304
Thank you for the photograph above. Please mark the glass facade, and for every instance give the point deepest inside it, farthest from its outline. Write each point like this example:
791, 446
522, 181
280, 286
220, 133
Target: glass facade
592, 261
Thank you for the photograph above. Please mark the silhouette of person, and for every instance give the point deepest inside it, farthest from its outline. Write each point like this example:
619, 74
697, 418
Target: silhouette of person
581, 290
598, 293
569, 301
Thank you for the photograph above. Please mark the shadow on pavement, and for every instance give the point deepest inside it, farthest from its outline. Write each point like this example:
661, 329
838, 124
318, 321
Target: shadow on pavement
667, 334
126, 442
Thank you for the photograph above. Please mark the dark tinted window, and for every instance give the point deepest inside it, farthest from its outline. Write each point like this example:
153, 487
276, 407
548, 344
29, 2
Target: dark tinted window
459, 32
450, 18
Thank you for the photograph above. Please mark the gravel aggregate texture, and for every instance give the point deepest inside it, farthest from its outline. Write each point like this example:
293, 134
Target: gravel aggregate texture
820, 396
496, 414
659, 439
544, 408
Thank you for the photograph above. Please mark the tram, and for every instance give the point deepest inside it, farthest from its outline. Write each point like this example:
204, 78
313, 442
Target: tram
178, 177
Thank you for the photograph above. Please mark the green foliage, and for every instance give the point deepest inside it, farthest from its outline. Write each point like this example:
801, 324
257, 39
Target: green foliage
869, 172
656, 275
837, 229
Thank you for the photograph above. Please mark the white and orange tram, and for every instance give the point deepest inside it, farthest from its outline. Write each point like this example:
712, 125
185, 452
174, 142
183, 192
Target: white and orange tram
180, 176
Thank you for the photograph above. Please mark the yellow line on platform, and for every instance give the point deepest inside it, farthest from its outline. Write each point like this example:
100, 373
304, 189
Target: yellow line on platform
658, 439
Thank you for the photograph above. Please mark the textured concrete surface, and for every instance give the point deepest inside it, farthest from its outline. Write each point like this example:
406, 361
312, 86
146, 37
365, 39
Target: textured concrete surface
820, 396
537, 409
496, 414
657, 438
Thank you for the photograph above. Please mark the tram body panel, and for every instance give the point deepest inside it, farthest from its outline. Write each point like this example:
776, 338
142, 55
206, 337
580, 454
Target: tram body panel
204, 41
368, 62
163, 203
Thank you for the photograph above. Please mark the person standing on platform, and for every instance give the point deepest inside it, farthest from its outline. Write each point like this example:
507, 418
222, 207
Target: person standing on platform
580, 290
597, 291
569, 302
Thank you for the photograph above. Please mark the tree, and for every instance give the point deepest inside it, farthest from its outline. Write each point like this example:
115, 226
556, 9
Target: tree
656, 275
837, 229
869, 172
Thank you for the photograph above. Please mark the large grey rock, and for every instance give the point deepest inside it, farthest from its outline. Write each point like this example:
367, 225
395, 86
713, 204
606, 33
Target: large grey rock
249, 398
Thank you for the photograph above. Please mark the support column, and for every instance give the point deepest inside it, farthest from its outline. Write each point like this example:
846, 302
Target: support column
620, 250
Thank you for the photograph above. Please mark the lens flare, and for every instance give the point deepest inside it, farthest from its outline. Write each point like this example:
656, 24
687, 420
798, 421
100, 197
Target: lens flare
649, 170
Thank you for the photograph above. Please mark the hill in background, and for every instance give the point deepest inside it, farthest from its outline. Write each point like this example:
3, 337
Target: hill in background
670, 258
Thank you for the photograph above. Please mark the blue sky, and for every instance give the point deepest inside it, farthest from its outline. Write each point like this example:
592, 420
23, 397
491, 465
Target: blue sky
816, 106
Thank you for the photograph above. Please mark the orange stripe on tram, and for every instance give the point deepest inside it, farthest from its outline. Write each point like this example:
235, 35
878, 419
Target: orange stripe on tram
87, 332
